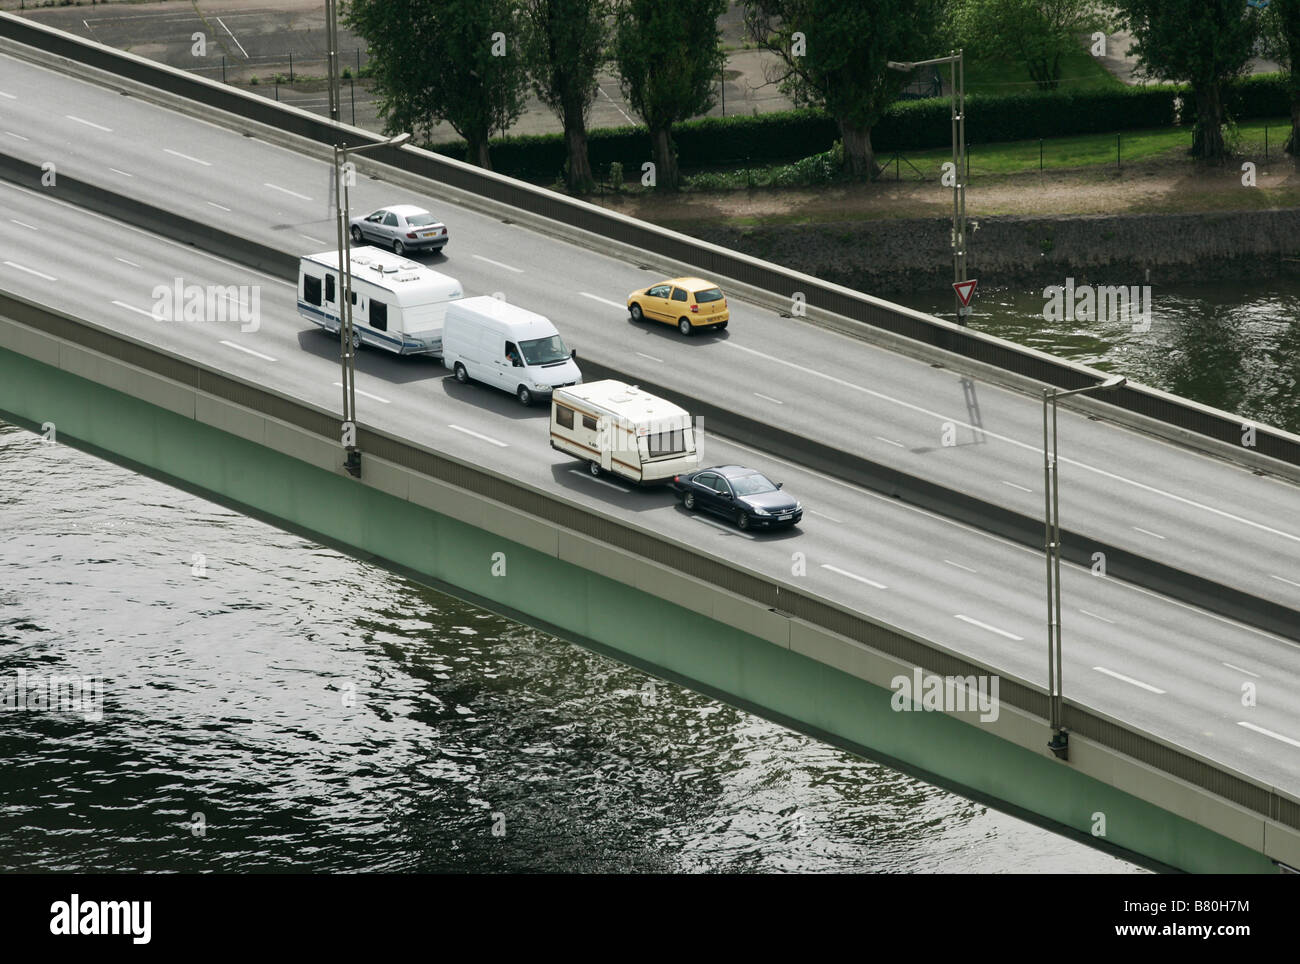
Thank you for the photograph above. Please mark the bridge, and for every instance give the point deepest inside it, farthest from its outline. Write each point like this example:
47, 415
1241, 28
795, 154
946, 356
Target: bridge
915, 555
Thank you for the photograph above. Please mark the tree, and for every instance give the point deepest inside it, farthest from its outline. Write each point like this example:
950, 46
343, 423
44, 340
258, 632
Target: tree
1035, 33
669, 55
564, 47
833, 54
1280, 32
1204, 43
454, 60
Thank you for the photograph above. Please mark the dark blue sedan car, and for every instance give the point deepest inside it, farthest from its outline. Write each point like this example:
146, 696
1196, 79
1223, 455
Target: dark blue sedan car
748, 498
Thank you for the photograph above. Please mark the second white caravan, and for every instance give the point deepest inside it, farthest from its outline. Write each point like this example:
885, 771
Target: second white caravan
487, 340
397, 304
617, 428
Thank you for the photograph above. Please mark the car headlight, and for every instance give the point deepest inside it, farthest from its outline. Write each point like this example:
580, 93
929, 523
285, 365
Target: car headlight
798, 507
759, 510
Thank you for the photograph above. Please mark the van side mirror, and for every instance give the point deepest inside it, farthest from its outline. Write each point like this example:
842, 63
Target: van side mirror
779, 484
573, 353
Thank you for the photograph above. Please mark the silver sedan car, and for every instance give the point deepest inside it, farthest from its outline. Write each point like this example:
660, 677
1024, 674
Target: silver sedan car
403, 228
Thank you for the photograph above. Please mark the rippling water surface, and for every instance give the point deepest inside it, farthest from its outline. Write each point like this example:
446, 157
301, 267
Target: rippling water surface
227, 696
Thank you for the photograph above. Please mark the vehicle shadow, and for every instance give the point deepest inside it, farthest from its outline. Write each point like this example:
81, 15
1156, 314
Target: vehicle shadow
728, 527
493, 400
610, 490
661, 329
375, 362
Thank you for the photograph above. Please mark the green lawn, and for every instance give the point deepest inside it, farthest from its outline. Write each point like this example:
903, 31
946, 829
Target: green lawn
1098, 150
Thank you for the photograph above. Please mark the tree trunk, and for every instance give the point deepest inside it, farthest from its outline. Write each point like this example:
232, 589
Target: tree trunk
666, 175
859, 156
476, 152
1208, 141
579, 176
1294, 140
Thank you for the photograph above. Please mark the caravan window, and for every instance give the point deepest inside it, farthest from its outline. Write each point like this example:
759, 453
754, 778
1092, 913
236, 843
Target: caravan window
564, 416
378, 315
589, 423
310, 289
329, 287
671, 442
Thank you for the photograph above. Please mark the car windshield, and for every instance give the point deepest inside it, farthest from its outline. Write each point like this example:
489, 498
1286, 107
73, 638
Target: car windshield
706, 295
752, 484
420, 220
543, 351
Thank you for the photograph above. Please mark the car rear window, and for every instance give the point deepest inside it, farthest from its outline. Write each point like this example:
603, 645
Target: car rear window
705, 295
420, 220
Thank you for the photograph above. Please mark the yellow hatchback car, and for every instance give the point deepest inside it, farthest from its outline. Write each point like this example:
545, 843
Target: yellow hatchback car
688, 303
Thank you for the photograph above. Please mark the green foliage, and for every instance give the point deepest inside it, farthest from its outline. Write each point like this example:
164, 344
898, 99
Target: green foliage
1038, 34
616, 177
454, 60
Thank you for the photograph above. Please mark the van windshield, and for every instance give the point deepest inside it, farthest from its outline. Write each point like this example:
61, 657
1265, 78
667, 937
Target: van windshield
544, 351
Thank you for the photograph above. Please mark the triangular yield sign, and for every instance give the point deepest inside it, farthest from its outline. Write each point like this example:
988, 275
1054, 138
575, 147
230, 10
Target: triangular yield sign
964, 290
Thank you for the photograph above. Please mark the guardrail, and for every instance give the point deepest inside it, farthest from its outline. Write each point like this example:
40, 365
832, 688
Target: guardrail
707, 258
1179, 762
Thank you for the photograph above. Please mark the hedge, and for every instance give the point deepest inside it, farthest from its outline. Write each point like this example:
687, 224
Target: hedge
912, 125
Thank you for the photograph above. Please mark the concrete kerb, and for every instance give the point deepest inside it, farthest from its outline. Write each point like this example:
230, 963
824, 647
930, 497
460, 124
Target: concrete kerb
758, 296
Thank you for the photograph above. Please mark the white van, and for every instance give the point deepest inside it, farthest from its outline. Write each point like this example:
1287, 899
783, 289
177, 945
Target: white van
617, 428
519, 351
397, 304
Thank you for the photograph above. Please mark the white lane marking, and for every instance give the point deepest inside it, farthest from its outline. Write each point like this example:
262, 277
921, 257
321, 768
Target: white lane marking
187, 157
231, 344
5, 93
729, 530
769, 398
991, 629
616, 105
39, 274
881, 438
1276, 736
311, 239
285, 190
1130, 679
958, 565
234, 38
24, 224
1095, 616
124, 261
1287, 581
1014, 486
823, 515
603, 301
1019, 444
852, 575
500, 265
477, 435
367, 394
19, 136
219, 207
141, 311
81, 120
651, 357
1147, 532
1240, 670
123, 173
589, 476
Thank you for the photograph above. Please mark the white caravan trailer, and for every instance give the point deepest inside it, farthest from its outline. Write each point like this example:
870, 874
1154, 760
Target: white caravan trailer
397, 304
618, 428
519, 351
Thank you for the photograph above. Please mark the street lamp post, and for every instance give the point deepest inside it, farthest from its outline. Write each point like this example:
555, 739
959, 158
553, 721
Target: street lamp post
958, 89
1060, 742
348, 341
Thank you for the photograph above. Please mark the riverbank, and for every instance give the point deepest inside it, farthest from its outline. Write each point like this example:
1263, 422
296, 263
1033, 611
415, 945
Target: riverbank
1164, 221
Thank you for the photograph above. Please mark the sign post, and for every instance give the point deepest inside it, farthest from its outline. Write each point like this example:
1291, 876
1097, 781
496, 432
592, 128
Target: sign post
965, 291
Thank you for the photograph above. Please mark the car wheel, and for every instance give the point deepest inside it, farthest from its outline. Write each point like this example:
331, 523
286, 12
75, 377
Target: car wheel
721, 326
635, 312
742, 519
462, 376
398, 247
356, 234
684, 326
593, 468
688, 500
524, 395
